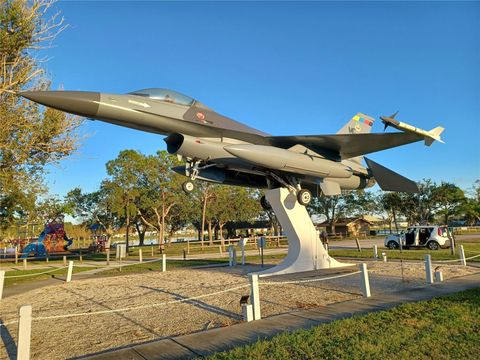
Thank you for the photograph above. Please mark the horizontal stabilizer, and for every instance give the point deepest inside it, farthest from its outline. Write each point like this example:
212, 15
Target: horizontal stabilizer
389, 180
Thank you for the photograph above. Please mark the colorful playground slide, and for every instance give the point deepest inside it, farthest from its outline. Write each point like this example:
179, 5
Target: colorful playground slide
52, 239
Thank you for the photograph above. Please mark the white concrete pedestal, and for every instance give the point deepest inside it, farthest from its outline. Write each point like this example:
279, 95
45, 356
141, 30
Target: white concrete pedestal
305, 250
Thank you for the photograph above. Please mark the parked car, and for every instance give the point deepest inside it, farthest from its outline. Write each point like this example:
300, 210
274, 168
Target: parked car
431, 236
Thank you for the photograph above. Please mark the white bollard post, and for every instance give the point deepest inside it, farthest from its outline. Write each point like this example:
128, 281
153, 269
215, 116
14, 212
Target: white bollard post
375, 252
108, 257
247, 312
16, 254
255, 296
25, 264
384, 256
428, 269
462, 256
365, 282
438, 276
70, 271
230, 255
243, 251
234, 256
140, 255
24, 332
2, 278
164, 262
64, 260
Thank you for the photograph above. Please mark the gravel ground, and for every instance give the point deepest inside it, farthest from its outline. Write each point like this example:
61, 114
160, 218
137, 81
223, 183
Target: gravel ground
75, 336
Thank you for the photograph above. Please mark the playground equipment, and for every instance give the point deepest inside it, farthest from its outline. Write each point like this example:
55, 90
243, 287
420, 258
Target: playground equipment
99, 238
52, 239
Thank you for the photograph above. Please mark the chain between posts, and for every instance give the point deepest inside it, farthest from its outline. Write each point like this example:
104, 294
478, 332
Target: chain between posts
308, 280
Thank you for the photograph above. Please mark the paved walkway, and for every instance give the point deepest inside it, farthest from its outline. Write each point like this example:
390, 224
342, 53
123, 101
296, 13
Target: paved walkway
220, 339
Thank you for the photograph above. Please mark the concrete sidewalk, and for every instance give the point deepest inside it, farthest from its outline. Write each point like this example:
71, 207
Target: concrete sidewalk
220, 339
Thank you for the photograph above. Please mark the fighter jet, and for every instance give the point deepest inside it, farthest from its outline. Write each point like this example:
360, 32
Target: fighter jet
221, 150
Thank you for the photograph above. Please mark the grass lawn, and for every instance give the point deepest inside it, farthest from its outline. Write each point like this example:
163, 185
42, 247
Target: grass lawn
21, 280
471, 248
157, 266
441, 328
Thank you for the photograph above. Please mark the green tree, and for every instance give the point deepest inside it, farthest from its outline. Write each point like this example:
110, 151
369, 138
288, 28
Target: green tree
419, 207
204, 194
391, 203
470, 210
334, 207
161, 203
234, 204
93, 208
449, 199
30, 137
125, 172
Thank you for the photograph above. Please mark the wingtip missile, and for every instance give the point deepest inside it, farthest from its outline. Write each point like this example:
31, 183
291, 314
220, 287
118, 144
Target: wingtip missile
430, 136
389, 120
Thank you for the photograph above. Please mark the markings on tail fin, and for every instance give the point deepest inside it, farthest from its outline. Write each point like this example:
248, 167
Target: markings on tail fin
358, 124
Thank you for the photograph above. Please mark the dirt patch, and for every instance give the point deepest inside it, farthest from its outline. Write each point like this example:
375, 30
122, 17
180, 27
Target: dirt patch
76, 336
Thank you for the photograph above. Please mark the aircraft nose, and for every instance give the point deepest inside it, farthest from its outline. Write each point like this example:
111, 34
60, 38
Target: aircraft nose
83, 103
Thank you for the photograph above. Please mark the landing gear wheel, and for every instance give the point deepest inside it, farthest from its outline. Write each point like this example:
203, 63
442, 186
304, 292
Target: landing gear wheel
265, 204
188, 187
304, 197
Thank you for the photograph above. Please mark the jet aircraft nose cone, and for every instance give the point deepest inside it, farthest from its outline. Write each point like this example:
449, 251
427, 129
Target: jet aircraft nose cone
83, 103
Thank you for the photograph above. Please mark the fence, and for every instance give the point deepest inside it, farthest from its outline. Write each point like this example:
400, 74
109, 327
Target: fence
251, 311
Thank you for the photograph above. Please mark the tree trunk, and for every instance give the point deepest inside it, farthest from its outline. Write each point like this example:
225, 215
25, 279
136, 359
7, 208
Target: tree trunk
395, 220
222, 240
128, 227
162, 229
141, 233
204, 211
160, 242
210, 233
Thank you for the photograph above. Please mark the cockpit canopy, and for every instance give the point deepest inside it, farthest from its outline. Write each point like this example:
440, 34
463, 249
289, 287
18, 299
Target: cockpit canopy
164, 95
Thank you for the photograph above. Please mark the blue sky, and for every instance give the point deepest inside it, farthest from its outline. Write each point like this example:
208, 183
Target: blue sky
286, 68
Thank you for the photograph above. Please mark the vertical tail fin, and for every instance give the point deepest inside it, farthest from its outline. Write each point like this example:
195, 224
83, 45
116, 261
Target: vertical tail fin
359, 124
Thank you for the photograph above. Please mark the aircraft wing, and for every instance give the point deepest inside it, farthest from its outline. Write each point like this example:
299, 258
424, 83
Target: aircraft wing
346, 146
